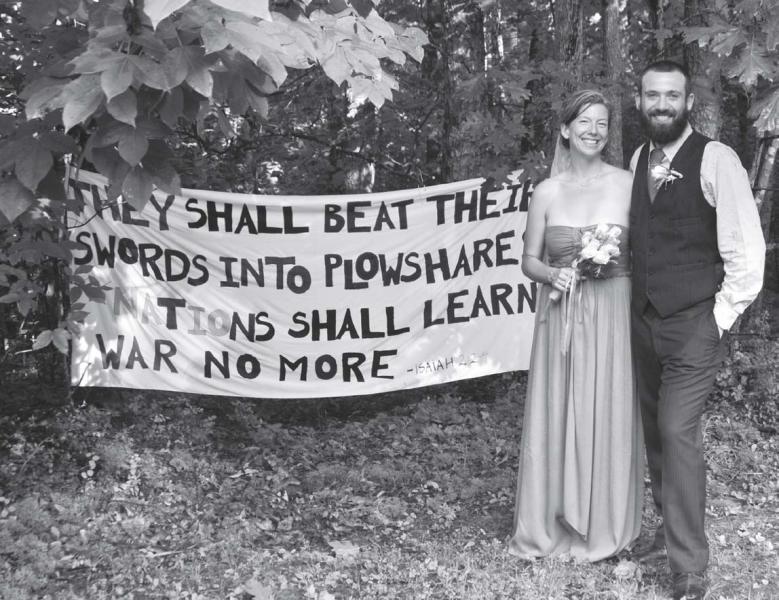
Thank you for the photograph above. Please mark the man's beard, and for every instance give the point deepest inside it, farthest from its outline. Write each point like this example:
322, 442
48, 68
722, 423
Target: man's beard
665, 133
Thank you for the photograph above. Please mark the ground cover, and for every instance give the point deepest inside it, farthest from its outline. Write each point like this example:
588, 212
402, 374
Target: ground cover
409, 496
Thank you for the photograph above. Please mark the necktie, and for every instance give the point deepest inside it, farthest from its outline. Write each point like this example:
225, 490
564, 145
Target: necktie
656, 157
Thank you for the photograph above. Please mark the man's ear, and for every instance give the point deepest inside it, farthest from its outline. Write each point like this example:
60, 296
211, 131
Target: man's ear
690, 101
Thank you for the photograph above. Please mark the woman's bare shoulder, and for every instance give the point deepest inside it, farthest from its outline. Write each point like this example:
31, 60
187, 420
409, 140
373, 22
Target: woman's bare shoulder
547, 190
619, 175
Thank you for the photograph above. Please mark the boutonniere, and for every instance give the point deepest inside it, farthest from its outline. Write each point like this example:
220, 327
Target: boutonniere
663, 175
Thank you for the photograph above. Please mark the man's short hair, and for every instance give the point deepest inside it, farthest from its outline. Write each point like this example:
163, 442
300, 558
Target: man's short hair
667, 66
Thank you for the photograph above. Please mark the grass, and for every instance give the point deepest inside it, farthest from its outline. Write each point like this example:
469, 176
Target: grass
149, 495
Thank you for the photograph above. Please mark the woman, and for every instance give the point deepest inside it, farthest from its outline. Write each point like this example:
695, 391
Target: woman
580, 475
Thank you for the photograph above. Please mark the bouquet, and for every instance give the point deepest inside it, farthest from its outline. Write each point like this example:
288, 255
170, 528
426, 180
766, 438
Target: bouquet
600, 246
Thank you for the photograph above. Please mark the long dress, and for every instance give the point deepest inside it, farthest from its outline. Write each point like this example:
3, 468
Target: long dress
580, 482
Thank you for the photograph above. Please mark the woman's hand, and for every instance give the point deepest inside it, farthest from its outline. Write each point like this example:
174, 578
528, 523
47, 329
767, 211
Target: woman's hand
563, 278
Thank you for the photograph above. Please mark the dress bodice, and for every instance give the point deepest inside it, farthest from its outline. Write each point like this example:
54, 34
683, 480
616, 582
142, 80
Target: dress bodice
563, 244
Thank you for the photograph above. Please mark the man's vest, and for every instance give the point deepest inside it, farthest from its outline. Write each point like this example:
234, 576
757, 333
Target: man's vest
673, 240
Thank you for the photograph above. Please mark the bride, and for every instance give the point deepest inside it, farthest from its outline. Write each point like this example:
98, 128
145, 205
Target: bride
580, 475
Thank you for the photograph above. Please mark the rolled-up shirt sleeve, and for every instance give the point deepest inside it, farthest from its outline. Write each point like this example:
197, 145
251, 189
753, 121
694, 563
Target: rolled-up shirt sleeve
740, 240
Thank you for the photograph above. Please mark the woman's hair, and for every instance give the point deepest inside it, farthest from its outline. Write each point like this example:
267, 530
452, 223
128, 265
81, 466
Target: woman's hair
576, 105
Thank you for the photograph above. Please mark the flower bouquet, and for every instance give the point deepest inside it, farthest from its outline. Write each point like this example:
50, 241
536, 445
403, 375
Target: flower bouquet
600, 246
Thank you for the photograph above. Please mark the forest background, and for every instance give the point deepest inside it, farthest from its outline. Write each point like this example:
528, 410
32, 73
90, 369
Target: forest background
405, 495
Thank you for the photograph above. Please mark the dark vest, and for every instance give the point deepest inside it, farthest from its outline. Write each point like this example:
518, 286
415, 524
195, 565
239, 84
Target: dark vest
673, 240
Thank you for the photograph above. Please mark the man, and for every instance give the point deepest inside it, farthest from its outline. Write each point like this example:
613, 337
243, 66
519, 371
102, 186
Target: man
697, 253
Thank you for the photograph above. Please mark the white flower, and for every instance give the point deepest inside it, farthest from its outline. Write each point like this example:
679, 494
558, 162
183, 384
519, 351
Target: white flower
610, 249
589, 250
586, 238
659, 172
601, 257
615, 231
663, 175
602, 229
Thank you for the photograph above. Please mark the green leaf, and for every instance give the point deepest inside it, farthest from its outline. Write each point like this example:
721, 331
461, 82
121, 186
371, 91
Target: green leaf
271, 64
363, 7
199, 76
9, 151
124, 107
254, 8
257, 102
109, 163
257, 77
43, 95
84, 98
96, 60
157, 10
725, 43
133, 146
766, 113
172, 107
51, 186
750, 65
336, 66
32, 164
224, 123
116, 79
137, 187
59, 143
150, 73
175, 66
163, 174
7, 124
60, 339
245, 38
238, 96
14, 199
215, 37
43, 339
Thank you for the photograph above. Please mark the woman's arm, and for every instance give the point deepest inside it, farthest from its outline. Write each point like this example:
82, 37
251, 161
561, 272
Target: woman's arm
532, 264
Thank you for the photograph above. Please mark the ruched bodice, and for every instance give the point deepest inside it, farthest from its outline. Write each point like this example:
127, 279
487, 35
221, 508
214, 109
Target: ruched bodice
563, 244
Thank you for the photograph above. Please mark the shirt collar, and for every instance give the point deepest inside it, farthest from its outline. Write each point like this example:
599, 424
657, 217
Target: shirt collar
671, 149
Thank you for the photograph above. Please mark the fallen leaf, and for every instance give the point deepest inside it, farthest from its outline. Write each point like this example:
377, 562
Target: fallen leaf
344, 549
258, 590
625, 570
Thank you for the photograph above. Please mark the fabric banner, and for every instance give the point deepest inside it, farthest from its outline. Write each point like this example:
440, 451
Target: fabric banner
301, 296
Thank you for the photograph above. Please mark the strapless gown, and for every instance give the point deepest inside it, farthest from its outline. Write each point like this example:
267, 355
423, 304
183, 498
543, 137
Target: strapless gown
580, 482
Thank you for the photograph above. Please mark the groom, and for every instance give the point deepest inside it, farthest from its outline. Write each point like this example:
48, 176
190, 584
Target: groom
697, 254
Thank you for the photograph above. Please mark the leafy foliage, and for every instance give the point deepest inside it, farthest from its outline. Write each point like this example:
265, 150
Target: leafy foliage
109, 83
410, 496
746, 34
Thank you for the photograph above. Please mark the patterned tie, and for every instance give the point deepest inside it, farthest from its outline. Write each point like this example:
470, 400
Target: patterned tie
656, 157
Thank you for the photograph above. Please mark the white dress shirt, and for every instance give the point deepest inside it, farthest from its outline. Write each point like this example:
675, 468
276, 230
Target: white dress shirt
725, 185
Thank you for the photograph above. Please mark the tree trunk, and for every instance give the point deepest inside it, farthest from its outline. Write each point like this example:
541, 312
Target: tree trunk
438, 24
705, 69
569, 33
764, 176
615, 68
657, 20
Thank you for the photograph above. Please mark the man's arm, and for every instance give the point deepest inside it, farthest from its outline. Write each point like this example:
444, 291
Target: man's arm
739, 236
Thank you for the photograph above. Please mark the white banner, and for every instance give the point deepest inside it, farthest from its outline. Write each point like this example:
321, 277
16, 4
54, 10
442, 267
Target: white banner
302, 296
